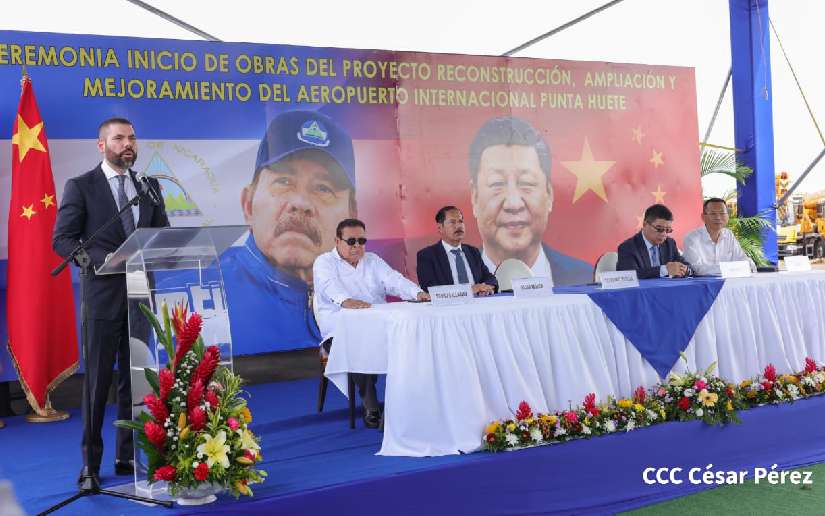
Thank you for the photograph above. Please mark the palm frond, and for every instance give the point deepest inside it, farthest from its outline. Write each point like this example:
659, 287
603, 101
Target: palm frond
714, 161
748, 232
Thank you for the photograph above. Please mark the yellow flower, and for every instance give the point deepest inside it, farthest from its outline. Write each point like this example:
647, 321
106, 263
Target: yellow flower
625, 403
751, 394
511, 427
247, 415
242, 488
729, 406
529, 420
708, 399
215, 449
248, 441
638, 408
184, 433
745, 384
182, 421
549, 418
789, 378
492, 427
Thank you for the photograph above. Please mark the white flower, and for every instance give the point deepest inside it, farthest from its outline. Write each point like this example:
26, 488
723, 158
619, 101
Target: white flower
560, 431
630, 425
586, 430
195, 464
793, 391
511, 439
610, 425
652, 415
535, 434
699, 412
808, 381
689, 393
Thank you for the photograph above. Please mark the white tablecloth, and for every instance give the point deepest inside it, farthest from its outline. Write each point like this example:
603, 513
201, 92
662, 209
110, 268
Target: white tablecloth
451, 370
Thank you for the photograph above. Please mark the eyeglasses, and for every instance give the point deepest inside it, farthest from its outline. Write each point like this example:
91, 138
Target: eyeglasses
353, 241
660, 229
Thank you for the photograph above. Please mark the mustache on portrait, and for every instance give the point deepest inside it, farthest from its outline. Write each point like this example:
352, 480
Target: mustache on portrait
299, 224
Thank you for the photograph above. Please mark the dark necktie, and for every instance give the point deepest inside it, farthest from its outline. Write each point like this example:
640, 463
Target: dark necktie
126, 218
460, 269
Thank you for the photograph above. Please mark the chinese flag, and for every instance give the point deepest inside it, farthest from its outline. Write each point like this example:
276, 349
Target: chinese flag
40, 315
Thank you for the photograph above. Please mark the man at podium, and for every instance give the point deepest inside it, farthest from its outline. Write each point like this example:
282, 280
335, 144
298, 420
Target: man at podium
303, 184
89, 201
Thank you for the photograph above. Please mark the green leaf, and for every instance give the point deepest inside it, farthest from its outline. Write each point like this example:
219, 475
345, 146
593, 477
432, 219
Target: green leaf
709, 370
152, 377
159, 333
128, 424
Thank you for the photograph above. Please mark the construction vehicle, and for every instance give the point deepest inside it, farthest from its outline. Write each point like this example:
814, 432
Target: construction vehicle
800, 222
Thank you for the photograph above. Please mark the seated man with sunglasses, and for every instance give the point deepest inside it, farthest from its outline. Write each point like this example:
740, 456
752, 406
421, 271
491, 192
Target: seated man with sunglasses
651, 252
349, 277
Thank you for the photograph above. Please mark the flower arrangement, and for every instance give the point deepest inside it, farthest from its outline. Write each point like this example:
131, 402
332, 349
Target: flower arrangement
682, 397
196, 429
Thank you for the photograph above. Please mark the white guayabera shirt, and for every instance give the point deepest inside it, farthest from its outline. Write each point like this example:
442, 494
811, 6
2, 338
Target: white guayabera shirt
335, 281
704, 255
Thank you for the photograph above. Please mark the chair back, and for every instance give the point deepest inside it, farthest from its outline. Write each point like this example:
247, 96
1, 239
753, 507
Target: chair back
511, 269
605, 263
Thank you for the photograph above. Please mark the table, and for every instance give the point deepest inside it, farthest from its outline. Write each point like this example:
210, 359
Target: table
451, 370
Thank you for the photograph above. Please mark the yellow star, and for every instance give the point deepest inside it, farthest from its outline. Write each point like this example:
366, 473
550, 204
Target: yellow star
588, 173
27, 138
47, 200
638, 135
28, 211
656, 159
659, 194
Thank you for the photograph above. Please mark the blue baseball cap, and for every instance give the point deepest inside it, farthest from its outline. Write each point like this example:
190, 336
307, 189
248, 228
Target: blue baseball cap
295, 131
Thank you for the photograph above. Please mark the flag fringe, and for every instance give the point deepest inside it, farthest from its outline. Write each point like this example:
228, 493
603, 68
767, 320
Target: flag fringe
41, 411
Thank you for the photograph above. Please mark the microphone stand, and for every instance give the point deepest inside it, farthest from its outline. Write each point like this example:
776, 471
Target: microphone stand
89, 485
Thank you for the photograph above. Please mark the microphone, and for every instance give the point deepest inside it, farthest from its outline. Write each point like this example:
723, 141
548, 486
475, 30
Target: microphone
147, 188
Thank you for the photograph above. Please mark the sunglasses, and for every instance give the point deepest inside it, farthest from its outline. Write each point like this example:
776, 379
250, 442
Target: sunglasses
660, 229
353, 241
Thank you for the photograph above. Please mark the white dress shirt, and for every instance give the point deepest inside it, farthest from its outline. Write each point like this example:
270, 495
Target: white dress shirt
335, 281
453, 267
662, 267
114, 185
704, 254
540, 268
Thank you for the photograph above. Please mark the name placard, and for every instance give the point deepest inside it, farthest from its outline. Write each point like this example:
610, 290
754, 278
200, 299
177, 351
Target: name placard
797, 263
738, 269
537, 286
618, 279
451, 294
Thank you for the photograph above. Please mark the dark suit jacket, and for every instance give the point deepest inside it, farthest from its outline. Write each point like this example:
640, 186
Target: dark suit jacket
87, 204
433, 266
633, 256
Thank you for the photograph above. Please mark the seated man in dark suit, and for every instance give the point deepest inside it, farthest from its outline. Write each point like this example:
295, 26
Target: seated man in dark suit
449, 262
650, 252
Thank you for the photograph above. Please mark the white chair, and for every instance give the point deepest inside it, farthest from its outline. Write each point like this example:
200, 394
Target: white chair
605, 263
511, 269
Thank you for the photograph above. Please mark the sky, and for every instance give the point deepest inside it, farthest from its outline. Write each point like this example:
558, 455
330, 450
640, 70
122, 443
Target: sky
663, 32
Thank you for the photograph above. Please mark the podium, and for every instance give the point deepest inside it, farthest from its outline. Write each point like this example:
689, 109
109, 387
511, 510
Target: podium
172, 265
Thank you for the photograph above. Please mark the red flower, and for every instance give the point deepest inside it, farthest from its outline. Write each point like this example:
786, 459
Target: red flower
640, 394
165, 473
197, 418
202, 471
590, 405
212, 398
810, 365
188, 336
729, 391
193, 399
770, 373
767, 385
179, 318
524, 411
249, 454
571, 417
207, 365
491, 438
699, 385
683, 403
156, 407
154, 432
166, 380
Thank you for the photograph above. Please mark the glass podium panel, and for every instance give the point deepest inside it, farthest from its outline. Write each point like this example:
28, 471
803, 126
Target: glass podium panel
175, 266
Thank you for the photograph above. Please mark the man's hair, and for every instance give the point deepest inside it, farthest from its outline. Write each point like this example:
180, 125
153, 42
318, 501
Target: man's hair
348, 223
509, 131
111, 121
441, 215
658, 211
713, 199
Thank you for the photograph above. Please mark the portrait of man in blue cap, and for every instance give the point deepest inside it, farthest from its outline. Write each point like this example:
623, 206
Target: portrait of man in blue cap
303, 184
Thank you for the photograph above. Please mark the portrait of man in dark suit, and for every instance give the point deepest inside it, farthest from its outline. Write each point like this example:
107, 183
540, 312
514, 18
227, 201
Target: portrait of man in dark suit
651, 252
451, 262
512, 199
89, 201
